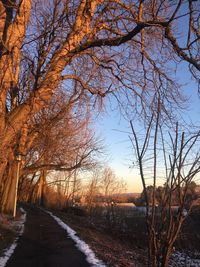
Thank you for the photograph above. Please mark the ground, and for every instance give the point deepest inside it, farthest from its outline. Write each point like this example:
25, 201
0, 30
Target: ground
45, 244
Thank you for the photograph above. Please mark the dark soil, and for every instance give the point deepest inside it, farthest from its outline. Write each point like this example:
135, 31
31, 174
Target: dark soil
45, 244
189, 238
6, 238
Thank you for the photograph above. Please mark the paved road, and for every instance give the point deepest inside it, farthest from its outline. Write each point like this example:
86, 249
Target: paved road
45, 244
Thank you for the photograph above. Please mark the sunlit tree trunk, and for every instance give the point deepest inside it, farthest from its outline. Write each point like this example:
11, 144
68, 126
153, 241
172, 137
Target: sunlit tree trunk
8, 185
11, 172
10, 189
41, 188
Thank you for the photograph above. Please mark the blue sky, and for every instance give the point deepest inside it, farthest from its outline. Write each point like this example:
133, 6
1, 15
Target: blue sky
115, 131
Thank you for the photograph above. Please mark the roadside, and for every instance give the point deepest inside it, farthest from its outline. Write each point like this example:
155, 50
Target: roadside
9, 230
7, 237
127, 247
114, 251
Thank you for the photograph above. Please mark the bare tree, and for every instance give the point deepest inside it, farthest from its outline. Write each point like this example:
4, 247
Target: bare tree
173, 159
59, 138
100, 194
92, 191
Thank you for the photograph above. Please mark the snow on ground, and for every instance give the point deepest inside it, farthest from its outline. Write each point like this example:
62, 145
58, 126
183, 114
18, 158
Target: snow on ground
81, 245
183, 259
18, 225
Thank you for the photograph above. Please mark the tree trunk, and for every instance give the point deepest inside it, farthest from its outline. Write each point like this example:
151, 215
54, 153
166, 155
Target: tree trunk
3, 165
9, 187
166, 256
9, 167
41, 188
12, 189
44, 188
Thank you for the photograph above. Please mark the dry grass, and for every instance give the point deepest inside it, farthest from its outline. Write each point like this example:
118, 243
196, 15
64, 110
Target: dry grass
113, 251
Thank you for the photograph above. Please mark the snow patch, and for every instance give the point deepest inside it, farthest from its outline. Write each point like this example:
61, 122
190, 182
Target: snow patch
18, 225
81, 245
183, 259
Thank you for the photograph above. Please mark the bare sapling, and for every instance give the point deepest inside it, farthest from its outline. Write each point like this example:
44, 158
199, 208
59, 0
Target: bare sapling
172, 159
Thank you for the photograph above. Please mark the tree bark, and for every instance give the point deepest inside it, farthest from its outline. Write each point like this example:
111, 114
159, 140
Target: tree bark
9, 186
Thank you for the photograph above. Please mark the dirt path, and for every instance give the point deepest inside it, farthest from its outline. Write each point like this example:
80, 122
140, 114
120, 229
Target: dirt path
45, 244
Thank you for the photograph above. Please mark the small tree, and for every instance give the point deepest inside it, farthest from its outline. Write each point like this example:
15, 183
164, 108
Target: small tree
176, 160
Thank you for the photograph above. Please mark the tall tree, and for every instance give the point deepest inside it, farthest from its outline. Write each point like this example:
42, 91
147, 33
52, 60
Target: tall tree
59, 140
100, 45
